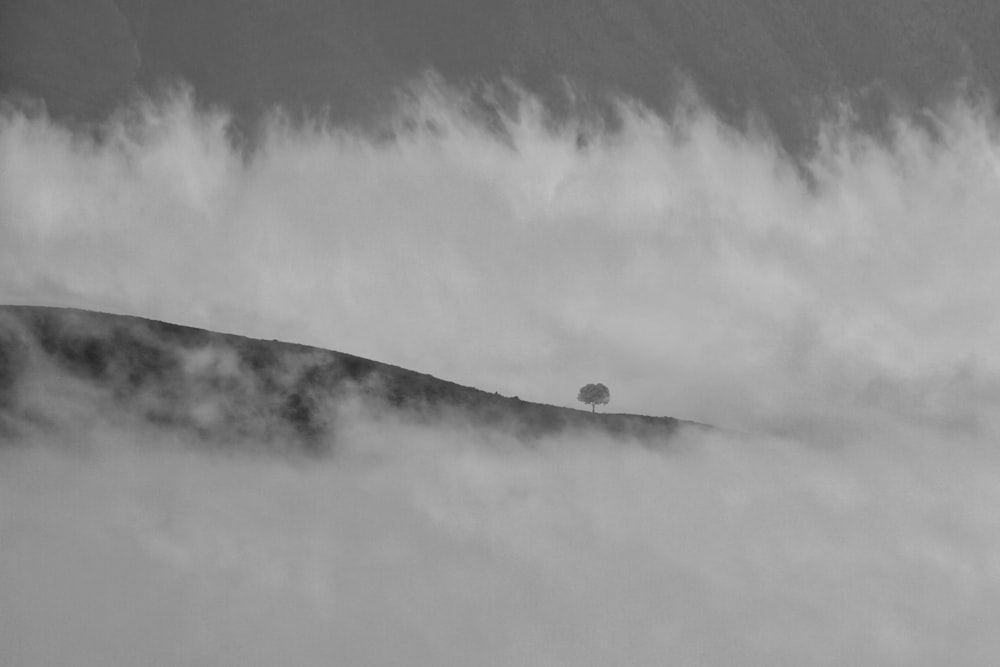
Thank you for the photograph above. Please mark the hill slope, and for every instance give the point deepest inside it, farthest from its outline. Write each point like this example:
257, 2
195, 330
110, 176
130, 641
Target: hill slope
229, 388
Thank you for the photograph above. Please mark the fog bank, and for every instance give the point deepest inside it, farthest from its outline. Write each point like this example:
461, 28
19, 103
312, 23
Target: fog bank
438, 546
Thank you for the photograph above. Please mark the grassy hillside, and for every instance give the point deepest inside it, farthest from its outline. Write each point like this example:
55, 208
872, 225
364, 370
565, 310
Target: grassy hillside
230, 388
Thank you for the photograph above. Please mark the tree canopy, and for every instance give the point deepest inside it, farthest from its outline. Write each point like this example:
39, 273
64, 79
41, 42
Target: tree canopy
593, 395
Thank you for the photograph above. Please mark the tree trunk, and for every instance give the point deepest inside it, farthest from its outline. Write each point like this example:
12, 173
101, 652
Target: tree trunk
593, 406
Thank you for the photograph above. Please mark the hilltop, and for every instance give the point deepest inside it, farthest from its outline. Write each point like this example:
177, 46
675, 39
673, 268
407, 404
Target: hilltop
230, 388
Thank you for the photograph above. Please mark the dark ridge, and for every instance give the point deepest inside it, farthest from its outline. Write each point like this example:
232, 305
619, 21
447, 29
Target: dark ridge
229, 388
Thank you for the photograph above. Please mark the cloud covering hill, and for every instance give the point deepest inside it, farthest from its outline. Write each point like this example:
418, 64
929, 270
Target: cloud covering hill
693, 269
524, 198
229, 390
164, 498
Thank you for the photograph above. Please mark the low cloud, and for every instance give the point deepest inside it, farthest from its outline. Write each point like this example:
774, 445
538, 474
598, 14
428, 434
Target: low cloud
434, 544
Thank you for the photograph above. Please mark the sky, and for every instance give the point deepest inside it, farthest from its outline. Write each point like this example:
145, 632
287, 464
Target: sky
839, 314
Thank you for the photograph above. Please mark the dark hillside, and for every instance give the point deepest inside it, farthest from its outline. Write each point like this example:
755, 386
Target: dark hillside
230, 388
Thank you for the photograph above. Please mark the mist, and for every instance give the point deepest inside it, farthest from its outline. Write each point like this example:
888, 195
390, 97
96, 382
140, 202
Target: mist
438, 545
694, 270
840, 307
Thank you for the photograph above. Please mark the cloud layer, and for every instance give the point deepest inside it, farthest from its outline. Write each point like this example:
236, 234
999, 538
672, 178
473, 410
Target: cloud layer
693, 270
438, 546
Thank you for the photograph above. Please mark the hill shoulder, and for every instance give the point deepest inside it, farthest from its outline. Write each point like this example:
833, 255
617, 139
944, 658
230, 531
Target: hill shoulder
234, 387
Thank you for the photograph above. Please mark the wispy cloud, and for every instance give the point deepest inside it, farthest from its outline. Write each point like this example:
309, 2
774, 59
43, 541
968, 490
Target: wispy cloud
690, 268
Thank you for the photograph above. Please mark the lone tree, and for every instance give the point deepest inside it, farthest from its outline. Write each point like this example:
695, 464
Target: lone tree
594, 394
